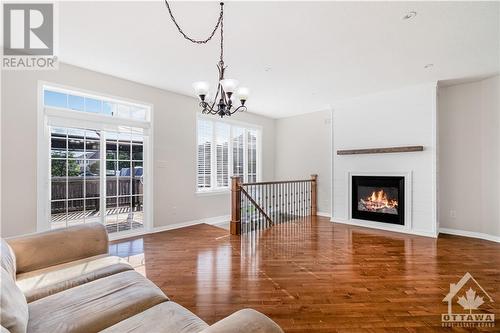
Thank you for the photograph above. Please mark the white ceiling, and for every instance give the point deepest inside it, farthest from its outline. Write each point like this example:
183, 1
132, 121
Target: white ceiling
296, 57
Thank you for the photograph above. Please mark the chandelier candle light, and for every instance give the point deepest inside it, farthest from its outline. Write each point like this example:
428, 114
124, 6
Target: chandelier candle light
223, 103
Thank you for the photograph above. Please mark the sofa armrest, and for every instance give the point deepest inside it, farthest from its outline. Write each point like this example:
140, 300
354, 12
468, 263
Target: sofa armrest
44, 249
244, 321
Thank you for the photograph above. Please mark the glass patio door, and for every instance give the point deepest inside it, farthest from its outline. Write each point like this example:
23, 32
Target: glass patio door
97, 176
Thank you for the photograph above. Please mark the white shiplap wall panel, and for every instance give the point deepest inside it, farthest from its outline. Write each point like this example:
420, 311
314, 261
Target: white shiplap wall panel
396, 118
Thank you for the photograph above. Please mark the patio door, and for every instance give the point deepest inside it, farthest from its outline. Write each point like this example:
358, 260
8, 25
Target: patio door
97, 175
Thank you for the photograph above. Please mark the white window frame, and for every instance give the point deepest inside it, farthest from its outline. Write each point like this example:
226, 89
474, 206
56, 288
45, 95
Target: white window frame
214, 190
62, 117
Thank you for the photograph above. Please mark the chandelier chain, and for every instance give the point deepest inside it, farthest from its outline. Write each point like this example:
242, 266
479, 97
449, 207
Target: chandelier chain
222, 33
199, 41
222, 103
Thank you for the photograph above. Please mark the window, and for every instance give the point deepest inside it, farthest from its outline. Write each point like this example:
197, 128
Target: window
57, 98
225, 149
97, 164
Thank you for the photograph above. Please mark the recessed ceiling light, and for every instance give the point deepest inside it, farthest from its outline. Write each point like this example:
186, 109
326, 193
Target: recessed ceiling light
428, 66
410, 15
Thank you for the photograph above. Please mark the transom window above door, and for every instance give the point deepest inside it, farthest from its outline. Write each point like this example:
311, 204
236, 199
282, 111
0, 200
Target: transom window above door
226, 149
75, 101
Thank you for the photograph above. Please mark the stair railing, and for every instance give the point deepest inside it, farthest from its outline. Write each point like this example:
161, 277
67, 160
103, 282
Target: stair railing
256, 206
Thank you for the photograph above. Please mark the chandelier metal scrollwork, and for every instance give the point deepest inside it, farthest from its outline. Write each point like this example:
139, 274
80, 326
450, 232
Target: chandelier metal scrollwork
223, 103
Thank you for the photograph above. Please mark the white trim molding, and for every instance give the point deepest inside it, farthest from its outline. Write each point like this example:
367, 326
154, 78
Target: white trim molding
324, 214
471, 234
216, 220
383, 226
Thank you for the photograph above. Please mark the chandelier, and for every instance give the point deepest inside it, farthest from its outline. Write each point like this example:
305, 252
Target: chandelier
223, 104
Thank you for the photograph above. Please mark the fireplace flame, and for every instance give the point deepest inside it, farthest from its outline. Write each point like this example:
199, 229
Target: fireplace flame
378, 200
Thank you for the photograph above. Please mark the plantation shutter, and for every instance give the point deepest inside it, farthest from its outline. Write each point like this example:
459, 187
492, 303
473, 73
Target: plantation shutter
204, 169
222, 134
225, 150
252, 156
238, 140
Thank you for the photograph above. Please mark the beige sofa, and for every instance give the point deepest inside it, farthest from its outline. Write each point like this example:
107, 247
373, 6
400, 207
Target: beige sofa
65, 281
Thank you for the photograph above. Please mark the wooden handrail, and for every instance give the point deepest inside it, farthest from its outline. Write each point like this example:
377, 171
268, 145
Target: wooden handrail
279, 182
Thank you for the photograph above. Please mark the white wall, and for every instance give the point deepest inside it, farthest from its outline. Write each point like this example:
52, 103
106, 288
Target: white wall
469, 158
303, 147
394, 118
174, 142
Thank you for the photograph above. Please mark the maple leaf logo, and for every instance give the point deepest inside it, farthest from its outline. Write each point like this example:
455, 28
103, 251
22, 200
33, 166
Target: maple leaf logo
470, 301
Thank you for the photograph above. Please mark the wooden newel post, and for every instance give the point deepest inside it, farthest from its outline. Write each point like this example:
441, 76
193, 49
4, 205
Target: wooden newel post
235, 225
314, 194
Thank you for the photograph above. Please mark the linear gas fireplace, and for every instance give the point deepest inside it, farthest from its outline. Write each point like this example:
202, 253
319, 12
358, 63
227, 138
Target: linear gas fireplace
379, 199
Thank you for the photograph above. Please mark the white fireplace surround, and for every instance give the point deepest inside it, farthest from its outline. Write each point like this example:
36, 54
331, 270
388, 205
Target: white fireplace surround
407, 227
402, 117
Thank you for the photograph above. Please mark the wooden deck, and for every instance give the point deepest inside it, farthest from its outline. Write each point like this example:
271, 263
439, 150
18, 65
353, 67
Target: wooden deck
316, 276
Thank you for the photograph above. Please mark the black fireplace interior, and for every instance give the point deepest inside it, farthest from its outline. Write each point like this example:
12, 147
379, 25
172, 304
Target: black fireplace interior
378, 199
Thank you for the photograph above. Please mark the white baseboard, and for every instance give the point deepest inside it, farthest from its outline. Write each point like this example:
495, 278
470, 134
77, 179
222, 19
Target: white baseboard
472, 234
217, 220
393, 228
324, 214
209, 220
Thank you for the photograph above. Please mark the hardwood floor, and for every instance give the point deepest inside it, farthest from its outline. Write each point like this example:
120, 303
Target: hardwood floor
317, 276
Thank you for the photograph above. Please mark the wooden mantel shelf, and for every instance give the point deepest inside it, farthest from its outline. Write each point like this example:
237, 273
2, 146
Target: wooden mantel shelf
386, 150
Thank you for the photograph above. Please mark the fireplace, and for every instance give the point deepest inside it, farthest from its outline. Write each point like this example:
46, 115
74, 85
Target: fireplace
378, 199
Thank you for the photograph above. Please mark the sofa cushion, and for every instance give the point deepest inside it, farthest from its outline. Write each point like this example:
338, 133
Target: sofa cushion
244, 321
163, 318
43, 249
96, 305
53, 279
8, 261
13, 306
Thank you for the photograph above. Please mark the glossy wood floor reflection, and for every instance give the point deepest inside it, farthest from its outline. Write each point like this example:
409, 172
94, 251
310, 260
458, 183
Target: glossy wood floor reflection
316, 276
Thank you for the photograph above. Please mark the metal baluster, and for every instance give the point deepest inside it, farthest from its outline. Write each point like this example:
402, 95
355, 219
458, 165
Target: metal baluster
278, 205
300, 199
287, 200
298, 196
243, 212
310, 197
245, 209
249, 214
297, 199
294, 201
262, 219
281, 203
257, 213
301, 191
270, 199
273, 208
282, 198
